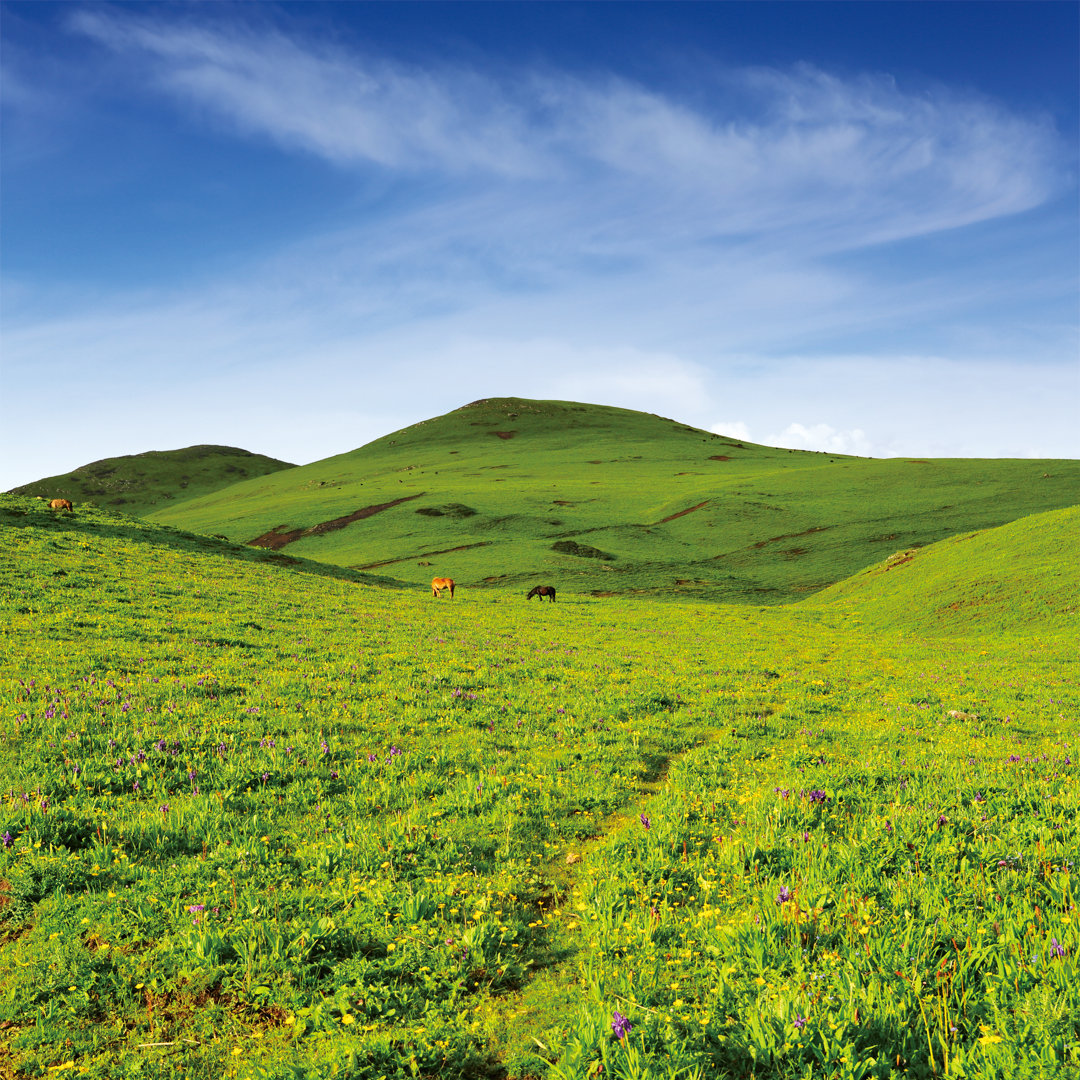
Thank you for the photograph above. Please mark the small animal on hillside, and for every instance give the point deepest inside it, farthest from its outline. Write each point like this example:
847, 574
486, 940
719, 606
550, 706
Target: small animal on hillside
442, 583
542, 591
61, 504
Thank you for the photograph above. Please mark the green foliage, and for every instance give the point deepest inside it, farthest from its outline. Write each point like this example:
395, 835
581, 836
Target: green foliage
265, 821
510, 493
138, 483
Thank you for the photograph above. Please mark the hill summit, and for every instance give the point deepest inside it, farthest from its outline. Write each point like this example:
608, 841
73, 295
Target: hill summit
138, 483
515, 492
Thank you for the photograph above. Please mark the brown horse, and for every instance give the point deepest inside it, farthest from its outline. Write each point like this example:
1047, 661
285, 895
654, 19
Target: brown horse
542, 591
440, 583
61, 504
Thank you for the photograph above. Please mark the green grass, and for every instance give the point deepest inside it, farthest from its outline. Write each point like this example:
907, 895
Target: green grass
140, 483
263, 822
770, 526
1024, 574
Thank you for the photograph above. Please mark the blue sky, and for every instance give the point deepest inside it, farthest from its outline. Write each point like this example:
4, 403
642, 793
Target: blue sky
296, 227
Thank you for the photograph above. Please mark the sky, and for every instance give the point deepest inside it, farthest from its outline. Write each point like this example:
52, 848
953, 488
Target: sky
295, 228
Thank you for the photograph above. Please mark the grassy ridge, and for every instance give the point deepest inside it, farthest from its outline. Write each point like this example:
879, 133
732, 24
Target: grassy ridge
264, 823
1024, 574
139, 483
509, 492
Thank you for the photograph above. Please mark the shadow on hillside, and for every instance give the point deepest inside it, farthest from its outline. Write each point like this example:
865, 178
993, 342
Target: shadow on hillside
91, 521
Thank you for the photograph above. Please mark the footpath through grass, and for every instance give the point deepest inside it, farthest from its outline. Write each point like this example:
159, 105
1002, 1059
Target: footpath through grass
256, 822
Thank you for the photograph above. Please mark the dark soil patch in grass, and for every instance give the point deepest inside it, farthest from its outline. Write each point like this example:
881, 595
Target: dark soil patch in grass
276, 538
582, 551
504, 434
793, 536
420, 555
681, 513
454, 510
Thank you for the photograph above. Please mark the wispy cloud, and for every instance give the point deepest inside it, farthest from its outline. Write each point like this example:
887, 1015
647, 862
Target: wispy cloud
823, 437
857, 161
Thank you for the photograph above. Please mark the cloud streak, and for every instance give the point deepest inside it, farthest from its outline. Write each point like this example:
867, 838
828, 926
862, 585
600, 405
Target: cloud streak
855, 161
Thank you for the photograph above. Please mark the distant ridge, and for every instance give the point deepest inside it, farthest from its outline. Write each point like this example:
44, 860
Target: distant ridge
512, 492
138, 483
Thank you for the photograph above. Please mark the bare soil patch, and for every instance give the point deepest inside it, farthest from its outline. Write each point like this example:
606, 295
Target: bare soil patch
418, 555
682, 513
280, 535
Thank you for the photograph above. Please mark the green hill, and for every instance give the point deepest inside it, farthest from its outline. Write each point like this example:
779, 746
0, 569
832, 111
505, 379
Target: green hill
138, 483
1019, 576
508, 491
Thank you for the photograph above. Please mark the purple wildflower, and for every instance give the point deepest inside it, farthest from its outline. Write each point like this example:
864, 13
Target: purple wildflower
1056, 950
620, 1025
799, 1022
784, 895
648, 825
817, 796
6, 838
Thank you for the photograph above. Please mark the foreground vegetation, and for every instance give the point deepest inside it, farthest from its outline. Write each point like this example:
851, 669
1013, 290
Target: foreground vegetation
261, 822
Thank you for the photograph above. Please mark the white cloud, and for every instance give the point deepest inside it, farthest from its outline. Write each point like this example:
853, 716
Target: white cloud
822, 437
736, 430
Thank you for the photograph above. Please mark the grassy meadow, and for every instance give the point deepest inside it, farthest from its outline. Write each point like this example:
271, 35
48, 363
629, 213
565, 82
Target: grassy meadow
266, 818
608, 500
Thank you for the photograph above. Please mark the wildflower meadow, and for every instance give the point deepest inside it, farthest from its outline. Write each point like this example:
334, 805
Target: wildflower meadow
262, 822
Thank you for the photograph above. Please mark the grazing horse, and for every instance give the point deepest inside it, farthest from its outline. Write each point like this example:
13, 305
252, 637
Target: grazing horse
440, 583
60, 504
542, 591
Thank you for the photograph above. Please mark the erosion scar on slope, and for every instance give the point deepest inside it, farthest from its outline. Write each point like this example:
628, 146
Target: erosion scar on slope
688, 510
419, 555
279, 535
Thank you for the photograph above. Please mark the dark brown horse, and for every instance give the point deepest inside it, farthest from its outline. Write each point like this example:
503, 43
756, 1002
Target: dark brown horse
542, 591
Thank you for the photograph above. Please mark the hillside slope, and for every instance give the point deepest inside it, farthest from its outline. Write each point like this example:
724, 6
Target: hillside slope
508, 491
138, 483
120, 539
1020, 576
